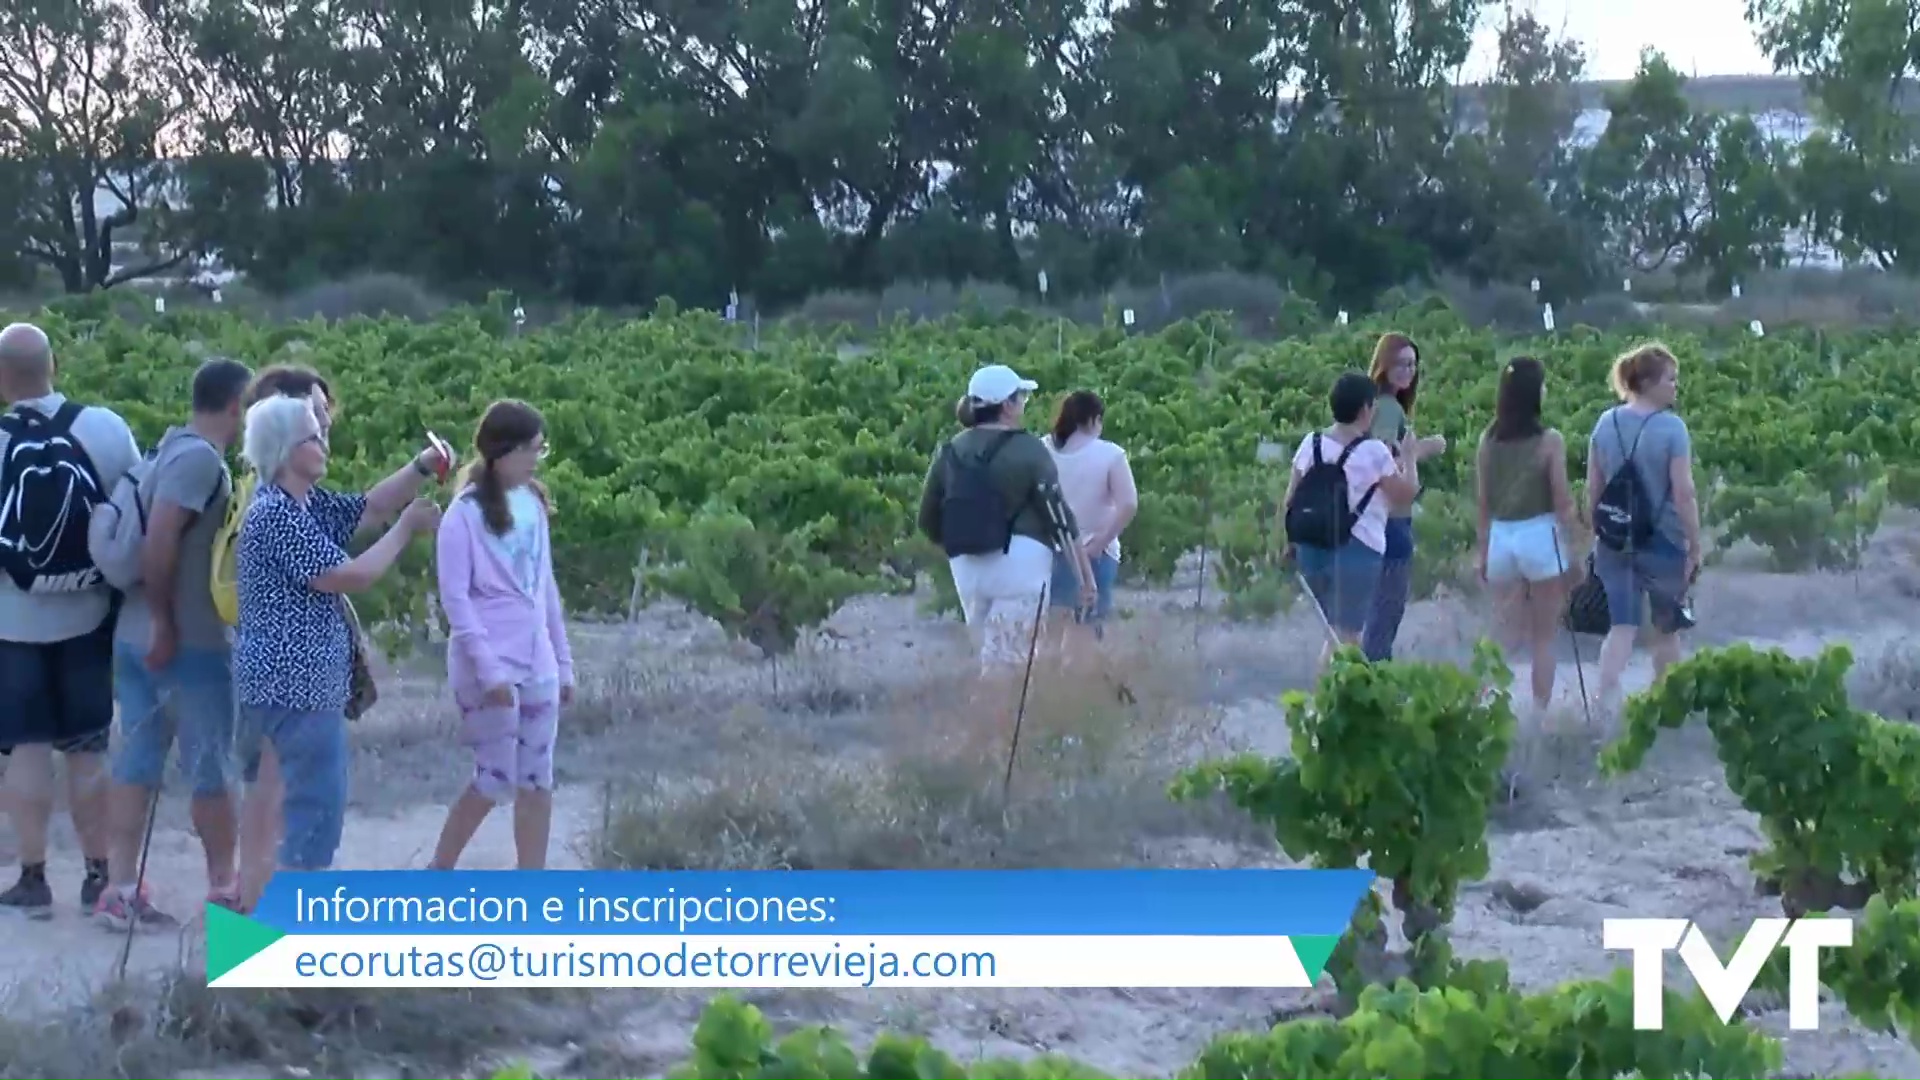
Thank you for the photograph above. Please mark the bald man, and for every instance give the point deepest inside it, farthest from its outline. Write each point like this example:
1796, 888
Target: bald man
56, 629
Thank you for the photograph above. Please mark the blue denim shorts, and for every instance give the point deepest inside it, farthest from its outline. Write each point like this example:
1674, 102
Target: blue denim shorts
190, 701
314, 758
1657, 571
1399, 538
1066, 588
1343, 580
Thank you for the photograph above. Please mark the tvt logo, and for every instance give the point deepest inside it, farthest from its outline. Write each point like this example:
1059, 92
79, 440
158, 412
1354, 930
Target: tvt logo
1725, 986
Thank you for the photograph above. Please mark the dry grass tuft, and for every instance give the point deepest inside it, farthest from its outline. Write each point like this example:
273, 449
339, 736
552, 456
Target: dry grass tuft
930, 788
152, 1028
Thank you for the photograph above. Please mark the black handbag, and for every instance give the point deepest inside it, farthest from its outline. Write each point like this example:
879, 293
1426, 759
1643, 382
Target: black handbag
1587, 605
362, 691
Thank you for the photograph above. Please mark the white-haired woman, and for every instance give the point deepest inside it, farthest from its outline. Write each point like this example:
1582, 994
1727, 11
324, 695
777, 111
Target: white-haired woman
292, 654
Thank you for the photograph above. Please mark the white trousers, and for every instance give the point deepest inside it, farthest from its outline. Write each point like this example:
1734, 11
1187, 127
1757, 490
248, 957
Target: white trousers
1001, 595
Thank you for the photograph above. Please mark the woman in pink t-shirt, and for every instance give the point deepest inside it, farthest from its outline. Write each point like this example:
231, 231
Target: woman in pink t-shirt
1344, 573
1097, 483
508, 660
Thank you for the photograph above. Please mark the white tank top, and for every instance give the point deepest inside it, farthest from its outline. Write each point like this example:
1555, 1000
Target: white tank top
1083, 482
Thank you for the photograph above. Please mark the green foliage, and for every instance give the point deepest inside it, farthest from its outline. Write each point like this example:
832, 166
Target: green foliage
1163, 171
1833, 786
1580, 1031
1879, 976
1395, 764
762, 587
734, 1041
651, 421
1801, 526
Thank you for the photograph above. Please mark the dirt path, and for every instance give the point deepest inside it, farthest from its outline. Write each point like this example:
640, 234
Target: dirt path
674, 712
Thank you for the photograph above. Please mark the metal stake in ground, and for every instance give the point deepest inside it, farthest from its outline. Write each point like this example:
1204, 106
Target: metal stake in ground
1200, 586
1020, 714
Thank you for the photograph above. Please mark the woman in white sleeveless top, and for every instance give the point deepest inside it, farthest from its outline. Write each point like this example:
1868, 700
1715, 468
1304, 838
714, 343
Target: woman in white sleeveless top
1098, 486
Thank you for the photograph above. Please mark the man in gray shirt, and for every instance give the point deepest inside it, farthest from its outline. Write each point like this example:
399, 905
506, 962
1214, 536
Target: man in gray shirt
56, 643
173, 669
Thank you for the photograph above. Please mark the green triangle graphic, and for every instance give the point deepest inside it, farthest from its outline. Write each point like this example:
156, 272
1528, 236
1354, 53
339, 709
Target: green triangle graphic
233, 939
1312, 951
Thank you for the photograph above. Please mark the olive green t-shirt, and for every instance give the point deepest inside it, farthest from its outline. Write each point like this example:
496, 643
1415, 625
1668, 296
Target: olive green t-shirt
1514, 474
1023, 470
1390, 426
1389, 422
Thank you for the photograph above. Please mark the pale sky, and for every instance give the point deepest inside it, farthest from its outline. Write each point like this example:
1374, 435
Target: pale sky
1704, 37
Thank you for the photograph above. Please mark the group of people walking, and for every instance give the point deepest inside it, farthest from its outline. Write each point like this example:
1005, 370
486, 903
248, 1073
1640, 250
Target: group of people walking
1347, 511
214, 613
1023, 518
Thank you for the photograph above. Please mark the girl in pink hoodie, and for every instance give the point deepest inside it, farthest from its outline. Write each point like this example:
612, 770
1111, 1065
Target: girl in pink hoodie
507, 656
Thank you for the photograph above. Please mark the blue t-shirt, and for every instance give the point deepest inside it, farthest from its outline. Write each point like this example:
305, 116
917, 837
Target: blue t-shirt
1654, 440
293, 647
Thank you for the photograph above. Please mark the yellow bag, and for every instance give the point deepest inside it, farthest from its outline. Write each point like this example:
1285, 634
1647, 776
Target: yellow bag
226, 545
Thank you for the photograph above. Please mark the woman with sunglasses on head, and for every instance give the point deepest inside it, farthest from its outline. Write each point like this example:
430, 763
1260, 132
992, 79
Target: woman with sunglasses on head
507, 655
294, 646
1396, 376
1646, 521
260, 832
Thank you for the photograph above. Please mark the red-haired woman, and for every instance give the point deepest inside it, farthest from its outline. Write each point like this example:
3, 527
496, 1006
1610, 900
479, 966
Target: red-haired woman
1396, 374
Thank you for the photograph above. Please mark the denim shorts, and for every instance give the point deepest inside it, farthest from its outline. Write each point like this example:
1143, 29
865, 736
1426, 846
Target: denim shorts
58, 693
1399, 539
312, 748
1529, 550
192, 701
1066, 588
1343, 580
1657, 571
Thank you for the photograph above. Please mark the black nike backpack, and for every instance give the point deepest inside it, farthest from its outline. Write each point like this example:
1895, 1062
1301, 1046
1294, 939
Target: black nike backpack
48, 489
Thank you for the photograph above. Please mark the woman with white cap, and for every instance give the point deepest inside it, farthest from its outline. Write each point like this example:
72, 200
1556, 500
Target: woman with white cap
992, 500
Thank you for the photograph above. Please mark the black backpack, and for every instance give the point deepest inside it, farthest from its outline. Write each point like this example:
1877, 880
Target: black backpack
1318, 515
974, 519
1624, 516
48, 489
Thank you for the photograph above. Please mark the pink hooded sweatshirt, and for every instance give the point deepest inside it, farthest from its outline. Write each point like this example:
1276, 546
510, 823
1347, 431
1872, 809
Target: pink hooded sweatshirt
499, 634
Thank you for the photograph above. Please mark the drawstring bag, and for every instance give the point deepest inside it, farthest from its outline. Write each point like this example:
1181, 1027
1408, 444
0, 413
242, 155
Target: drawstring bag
1587, 605
362, 692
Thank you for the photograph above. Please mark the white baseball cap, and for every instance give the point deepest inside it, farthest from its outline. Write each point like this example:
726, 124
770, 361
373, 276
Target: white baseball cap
995, 383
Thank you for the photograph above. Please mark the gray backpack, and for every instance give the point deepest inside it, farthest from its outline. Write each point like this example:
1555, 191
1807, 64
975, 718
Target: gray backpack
118, 528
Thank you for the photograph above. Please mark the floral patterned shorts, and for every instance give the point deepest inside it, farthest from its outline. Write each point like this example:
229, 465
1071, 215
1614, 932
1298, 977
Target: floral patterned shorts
512, 744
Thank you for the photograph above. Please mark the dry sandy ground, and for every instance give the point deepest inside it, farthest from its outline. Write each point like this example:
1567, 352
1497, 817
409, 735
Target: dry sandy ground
728, 772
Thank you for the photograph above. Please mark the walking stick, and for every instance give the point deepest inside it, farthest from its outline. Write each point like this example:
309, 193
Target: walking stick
146, 846
1020, 715
1326, 624
1573, 639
